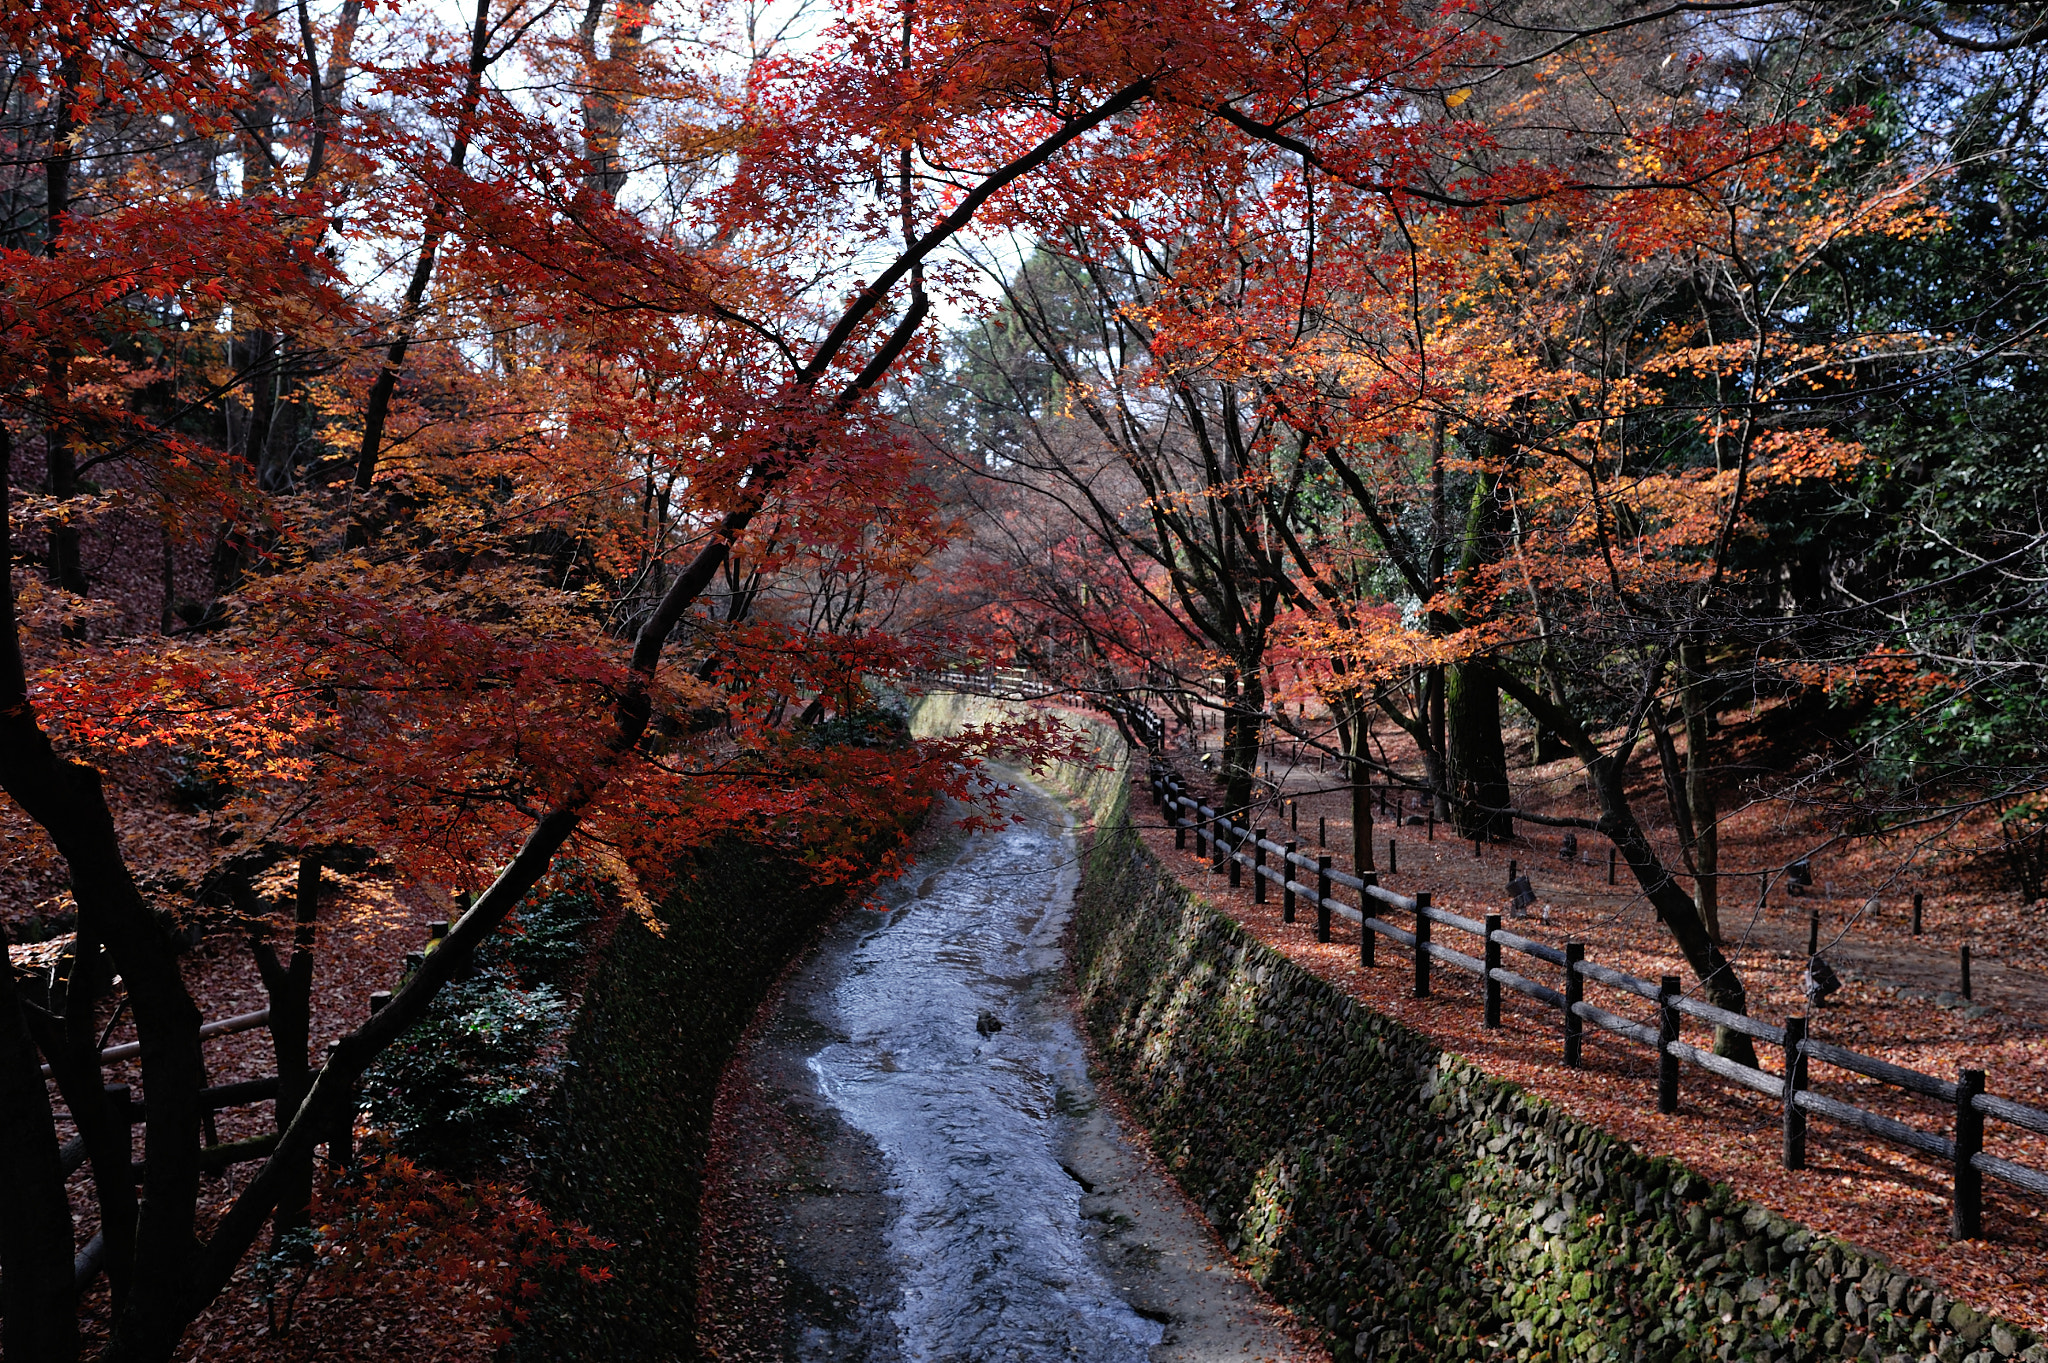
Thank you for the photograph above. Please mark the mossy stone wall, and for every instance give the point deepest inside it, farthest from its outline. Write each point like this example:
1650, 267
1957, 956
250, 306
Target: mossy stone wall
661, 1017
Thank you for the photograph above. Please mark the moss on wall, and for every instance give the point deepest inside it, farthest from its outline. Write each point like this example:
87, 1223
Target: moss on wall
1409, 1206
661, 1017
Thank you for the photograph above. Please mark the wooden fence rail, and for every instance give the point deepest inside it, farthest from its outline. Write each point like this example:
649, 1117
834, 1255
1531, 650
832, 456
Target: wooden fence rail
1231, 846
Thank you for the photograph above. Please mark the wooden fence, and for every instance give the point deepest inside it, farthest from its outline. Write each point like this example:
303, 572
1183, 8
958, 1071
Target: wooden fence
215, 1155
1234, 849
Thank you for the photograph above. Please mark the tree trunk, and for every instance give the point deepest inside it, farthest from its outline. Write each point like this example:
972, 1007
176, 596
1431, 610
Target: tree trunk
69, 802
38, 1314
1476, 754
1607, 777
1699, 789
1352, 729
1433, 753
67, 569
1681, 916
290, 988
70, 1042
1243, 722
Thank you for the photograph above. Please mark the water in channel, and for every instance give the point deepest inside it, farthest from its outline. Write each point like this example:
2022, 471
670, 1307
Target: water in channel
949, 1190
995, 1259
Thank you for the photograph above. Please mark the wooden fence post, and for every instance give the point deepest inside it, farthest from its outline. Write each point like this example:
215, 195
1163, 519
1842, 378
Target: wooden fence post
1967, 1222
1916, 914
1667, 1032
1235, 854
1365, 932
1795, 1084
1393, 857
1258, 866
1492, 964
1422, 946
1966, 970
1287, 869
1574, 993
1323, 898
1180, 828
1610, 866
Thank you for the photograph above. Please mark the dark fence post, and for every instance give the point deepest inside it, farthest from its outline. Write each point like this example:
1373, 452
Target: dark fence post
1916, 914
1574, 992
1610, 866
1492, 964
1323, 899
1236, 845
1422, 946
1968, 1221
1322, 830
1966, 970
1180, 828
1365, 911
1393, 857
1512, 868
341, 1138
1258, 866
1667, 1032
1287, 869
1795, 1084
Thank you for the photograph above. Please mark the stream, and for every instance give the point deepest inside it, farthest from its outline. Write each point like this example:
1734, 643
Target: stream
948, 1187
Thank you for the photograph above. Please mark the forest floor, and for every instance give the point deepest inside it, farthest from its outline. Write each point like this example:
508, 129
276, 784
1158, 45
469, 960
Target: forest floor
1900, 1001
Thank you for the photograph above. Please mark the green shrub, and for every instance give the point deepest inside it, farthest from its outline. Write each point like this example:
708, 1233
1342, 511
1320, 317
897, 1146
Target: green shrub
464, 1091
460, 1090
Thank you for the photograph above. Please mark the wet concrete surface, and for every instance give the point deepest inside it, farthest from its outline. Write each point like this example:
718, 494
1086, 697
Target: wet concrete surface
942, 1181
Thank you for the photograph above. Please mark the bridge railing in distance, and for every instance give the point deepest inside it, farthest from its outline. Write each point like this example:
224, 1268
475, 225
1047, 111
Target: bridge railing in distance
1229, 846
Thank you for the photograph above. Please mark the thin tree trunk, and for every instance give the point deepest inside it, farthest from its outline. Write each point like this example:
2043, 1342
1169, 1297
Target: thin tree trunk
377, 410
290, 989
70, 1042
1699, 787
67, 568
38, 1311
1360, 777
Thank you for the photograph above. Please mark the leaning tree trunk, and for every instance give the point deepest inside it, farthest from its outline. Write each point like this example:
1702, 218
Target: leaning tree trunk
1607, 778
